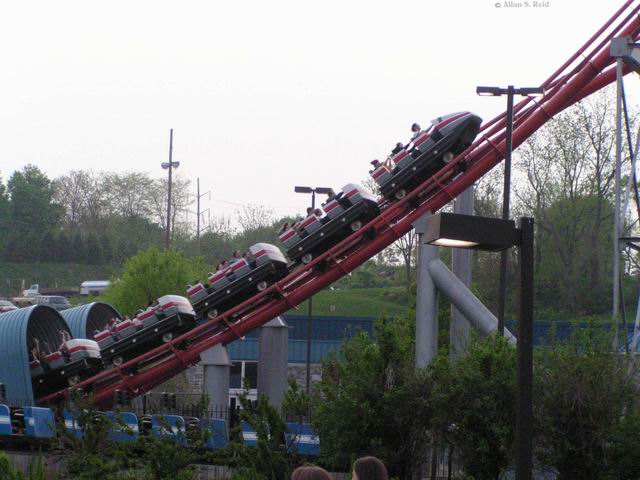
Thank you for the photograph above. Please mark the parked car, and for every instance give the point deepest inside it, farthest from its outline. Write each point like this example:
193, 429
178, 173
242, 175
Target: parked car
53, 301
7, 306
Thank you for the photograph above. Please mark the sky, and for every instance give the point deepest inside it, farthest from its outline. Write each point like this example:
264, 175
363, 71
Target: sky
262, 95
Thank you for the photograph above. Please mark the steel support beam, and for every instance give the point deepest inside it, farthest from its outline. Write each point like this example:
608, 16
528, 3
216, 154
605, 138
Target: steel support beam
458, 294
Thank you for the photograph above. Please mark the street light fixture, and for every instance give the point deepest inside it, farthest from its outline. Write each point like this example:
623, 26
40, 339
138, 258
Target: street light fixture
510, 92
170, 165
312, 191
481, 233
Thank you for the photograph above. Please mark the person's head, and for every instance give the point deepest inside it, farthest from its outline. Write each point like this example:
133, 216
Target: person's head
375, 163
310, 472
309, 210
369, 468
415, 127
400, 145
237, 254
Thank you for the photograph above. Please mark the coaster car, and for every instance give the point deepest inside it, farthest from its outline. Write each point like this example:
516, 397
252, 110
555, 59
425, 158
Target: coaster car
76, 360
171, 317
344, 214
239, 281
425, 155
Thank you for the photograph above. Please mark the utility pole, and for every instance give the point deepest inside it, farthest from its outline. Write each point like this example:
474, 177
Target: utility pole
198, 212
170, 165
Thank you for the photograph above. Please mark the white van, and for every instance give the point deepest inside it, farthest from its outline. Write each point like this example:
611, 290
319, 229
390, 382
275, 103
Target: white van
93, 287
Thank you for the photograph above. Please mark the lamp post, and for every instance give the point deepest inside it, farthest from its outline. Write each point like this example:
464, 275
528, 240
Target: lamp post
492, 234
510, 92
170, 165
312, 191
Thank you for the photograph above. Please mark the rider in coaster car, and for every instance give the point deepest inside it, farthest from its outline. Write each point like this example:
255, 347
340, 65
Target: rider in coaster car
415, 131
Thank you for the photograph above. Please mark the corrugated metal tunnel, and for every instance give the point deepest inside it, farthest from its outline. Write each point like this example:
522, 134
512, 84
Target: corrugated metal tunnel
19, 330
85, 320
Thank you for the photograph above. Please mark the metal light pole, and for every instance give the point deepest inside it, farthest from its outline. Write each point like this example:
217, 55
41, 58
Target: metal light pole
170, 165
312, 191
490, 234
510, 92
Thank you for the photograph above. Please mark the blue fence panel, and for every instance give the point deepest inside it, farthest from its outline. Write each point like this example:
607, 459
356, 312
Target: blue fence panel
39, 422
302, 439
172, 426
249, 435
125, 426
218, 433
5, 420
71, 423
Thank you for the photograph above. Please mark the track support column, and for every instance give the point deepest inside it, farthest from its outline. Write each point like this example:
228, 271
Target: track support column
216, 364
461, 267
273, 357
426, 300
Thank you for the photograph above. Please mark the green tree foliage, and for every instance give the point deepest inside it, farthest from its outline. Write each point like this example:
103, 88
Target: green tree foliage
371, 402
473, 401
31, 212
587, 409
94, 250
4, 215
36, 470
269, 459
107, 249
78, 248
149, 275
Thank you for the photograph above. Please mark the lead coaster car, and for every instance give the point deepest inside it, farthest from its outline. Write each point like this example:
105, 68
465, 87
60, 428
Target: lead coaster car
239, 282
348, 212
79, 360
427, 154
172, 317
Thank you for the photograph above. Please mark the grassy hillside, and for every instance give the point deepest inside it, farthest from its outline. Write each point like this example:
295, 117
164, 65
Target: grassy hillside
369, 302
359, 302
48, 275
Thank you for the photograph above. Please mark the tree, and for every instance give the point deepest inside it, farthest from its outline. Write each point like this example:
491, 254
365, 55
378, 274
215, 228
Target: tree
569, 169
149, 275
78, 248
94, 250
4, 216
107, 250
371, 401
31, 212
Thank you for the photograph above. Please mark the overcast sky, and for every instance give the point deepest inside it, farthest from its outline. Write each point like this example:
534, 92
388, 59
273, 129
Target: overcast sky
262, 95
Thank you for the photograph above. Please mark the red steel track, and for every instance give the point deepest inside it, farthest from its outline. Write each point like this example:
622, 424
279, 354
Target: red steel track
588, 70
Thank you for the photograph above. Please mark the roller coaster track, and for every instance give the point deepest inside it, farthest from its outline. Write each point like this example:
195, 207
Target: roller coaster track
588, 70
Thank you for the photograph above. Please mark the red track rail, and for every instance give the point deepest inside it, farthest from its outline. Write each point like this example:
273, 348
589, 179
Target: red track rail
588, 70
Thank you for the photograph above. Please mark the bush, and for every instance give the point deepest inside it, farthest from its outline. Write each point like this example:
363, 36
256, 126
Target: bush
371, 402
586, 407
473, 403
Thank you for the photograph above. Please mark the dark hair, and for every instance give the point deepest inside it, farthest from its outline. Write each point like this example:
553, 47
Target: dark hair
370, 468
310, 472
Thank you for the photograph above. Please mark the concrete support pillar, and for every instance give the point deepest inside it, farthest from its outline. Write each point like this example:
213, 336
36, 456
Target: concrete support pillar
216, 364
426, 300
273, 357
461, 267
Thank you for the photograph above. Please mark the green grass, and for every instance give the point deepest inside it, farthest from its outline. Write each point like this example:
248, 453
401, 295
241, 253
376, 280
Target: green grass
359, 302
367, 302
48, 275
